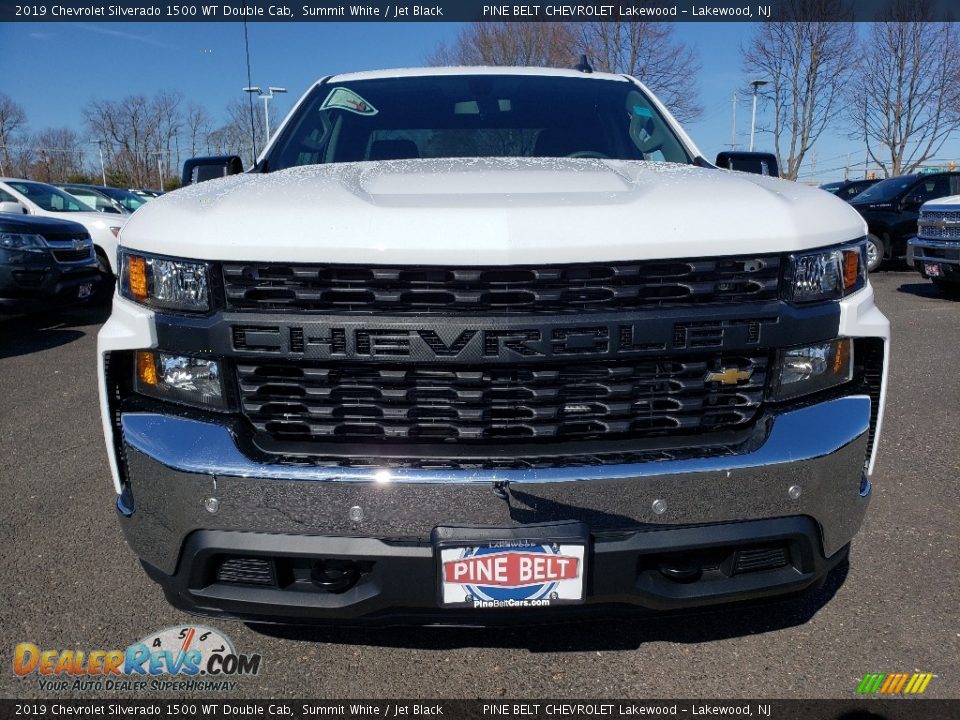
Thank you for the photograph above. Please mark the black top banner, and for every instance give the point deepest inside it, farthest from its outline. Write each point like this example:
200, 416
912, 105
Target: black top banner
460, 11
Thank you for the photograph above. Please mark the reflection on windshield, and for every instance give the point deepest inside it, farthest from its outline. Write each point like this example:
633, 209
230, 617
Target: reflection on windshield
886, 190
129, 200
475, 116
49, 198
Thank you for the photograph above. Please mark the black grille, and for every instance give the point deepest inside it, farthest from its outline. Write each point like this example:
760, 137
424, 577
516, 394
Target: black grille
64, 236
352, 402
246, 571
764, 558
68, 256
500, 290
29, 278
520, 461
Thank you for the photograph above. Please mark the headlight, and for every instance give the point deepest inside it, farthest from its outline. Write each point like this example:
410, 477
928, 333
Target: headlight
809, 369
23, 242
178, 378
165, 283
828, 274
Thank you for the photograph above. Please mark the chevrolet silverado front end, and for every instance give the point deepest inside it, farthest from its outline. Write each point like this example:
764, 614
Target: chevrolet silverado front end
468, 344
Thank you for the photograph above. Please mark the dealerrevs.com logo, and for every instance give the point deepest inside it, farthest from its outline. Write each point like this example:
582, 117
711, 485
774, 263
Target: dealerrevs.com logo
183, 658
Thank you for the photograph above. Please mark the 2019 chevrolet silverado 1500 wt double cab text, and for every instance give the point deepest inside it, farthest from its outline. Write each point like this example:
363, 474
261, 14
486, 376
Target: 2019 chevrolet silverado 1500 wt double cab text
471, 345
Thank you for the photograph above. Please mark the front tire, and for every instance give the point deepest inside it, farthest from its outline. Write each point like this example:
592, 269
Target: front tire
876, 249
104, 293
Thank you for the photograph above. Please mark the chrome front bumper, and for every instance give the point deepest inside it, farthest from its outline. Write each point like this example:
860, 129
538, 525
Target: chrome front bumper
942, 252
803, 462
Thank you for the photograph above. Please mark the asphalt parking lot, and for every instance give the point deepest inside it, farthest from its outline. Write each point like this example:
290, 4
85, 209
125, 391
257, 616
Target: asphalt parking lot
71, 583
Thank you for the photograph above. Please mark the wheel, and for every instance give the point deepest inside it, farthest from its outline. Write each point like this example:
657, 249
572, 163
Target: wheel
875, 252
950, 289
104, 293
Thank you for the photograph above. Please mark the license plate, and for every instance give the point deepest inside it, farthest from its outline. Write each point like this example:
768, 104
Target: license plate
85, 290
512, 572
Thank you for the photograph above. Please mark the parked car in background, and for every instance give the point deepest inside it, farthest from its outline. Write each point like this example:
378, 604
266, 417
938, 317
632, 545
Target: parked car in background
148, 194
37, 198
935, 251
848, 189
97, 200
892, 206
122, 201
44, 263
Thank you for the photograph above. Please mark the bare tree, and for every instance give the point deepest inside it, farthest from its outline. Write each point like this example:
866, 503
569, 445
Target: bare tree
805, 56
649, 52
505, 43
646, 50
59, 156
908, 87
22, 154
129, 131
197, 125
13, 121
169, 122
234, 138
136, 129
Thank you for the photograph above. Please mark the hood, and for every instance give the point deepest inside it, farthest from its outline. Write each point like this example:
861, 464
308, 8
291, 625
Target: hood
17, 223
944, 203
489, 211
96, 223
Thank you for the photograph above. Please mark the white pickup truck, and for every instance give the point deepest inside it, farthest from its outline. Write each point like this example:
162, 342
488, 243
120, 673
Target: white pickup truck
935, 251
479, 344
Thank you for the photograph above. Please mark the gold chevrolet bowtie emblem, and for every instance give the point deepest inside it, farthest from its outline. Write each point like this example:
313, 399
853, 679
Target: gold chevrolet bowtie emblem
728, 376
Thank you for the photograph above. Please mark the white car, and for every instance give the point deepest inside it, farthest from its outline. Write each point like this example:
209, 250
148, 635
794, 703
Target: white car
36, 198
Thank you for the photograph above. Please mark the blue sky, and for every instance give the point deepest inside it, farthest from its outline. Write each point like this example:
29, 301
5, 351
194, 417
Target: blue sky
58, 67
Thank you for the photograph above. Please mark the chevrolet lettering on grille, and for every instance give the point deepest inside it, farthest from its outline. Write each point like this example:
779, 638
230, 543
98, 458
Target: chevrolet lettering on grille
325, 341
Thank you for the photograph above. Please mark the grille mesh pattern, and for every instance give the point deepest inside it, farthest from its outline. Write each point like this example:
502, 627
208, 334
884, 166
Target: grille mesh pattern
933, 232
949, 215
930, 232
68, 256
499, 290
598, 400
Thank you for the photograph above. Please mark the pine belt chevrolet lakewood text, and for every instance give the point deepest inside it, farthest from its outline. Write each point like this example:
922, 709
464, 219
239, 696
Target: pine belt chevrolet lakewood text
475, 345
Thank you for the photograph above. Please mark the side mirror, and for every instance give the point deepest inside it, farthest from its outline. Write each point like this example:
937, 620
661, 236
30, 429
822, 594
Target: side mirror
911, 203
199, 169
759, 163
11, 206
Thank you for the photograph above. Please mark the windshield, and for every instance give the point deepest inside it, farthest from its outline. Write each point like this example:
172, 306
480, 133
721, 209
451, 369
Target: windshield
97, 200
886, 190
475, 116
50, 198
129, 200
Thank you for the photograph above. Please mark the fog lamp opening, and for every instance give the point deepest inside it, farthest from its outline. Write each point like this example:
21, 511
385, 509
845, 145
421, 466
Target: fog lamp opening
180, 378
812, 368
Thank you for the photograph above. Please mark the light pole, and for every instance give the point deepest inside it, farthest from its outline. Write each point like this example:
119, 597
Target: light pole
756, 84
266, 97
159, 154
103, 170
733, 125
